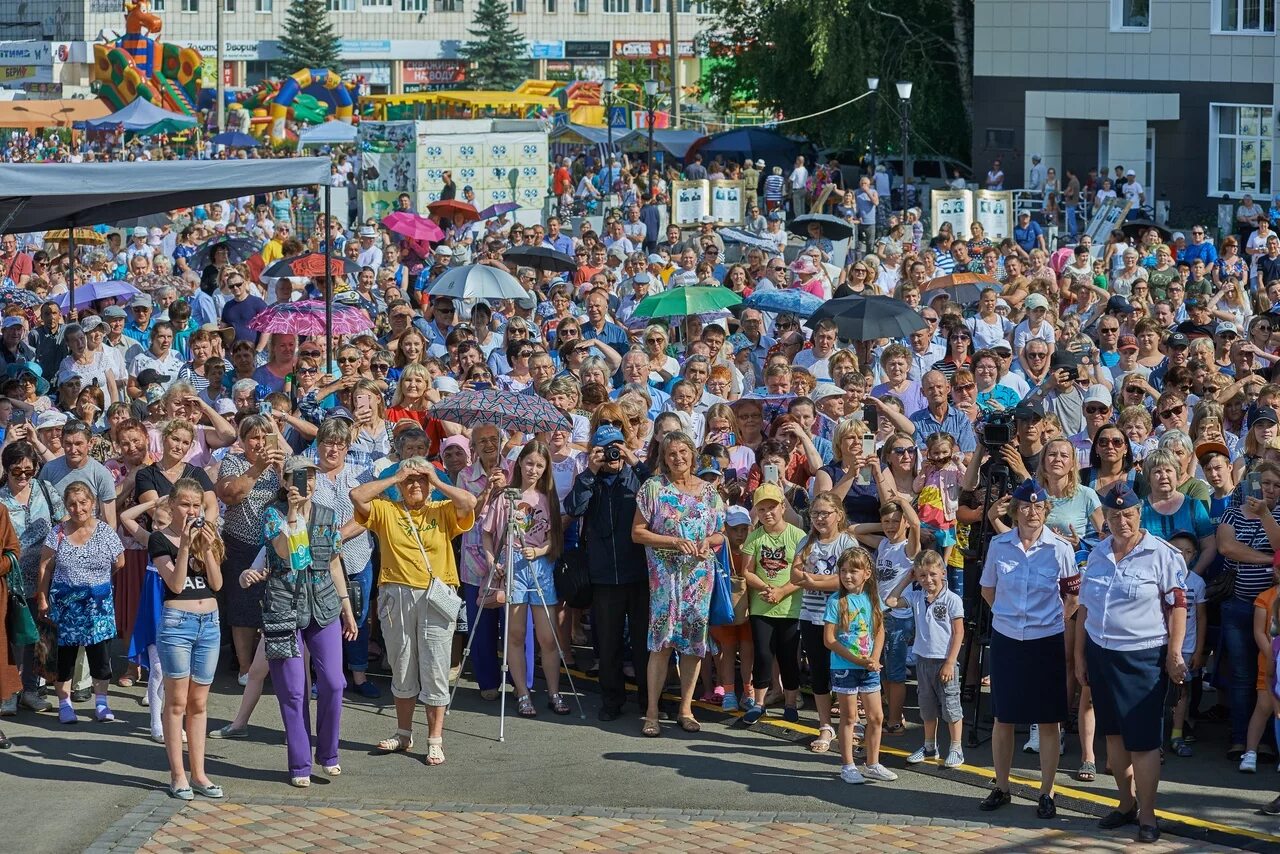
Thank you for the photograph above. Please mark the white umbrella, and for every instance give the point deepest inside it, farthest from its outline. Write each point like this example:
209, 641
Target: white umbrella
477, 281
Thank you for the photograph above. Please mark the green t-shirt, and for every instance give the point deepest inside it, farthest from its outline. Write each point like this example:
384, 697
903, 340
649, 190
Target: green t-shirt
771, 557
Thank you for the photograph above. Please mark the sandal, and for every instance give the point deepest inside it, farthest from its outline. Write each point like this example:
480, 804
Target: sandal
822, 743
435, 751
524, 707
398, 743
333, 770
557, 704
651, 729
688, 724
895, 729
124, 682
1087, 773
300, 782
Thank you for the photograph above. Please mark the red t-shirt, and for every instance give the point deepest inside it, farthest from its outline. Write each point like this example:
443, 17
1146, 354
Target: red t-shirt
433, 427
17, 266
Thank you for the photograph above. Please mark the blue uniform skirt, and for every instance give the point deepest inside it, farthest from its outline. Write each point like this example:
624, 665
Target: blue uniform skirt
1029, 679
1128, 693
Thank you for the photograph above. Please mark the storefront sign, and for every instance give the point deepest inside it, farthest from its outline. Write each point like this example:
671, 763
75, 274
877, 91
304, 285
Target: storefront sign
546, 50
639, 49
432, 72
25, 53
586, 50
231, 50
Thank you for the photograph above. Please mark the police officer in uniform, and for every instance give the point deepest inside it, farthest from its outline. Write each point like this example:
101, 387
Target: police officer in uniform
1129, 650
1030, 580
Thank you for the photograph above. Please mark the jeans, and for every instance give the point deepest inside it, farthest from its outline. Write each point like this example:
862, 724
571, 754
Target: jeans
1071, 220
899, 633
356, 652
1242, 664
187, 645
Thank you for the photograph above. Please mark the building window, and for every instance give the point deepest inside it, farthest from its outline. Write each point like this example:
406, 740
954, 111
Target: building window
693, 7
617, 7
1134, 14
517, 7
582, 7
375, 5
191, 5
228, 5
1245, 16
448, 5
156, 6
648, 5
1000, 139
551, 7
342, 5
415, 5
1241, 140
264, 6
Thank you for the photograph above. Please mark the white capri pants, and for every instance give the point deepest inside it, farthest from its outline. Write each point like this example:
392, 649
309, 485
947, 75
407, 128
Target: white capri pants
419, 644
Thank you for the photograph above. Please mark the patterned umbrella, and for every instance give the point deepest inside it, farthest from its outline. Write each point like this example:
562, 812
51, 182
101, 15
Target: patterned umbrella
477, 281
11, 295
310, 266
791, 301
498, 210
90, 291
681, 302
84, 236
869, 318
306, 317
451, 207
238, 251
509, 410
541, 258
413, 226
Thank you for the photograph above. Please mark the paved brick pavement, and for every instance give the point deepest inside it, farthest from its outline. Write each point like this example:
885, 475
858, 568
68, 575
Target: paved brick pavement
269, 825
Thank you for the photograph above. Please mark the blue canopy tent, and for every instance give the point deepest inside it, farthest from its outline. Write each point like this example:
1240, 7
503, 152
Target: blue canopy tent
752, 143
671, 143
141, 116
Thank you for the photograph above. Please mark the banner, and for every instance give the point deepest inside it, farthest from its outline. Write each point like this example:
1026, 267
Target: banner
994, 210
727, 201
953, 206
690, 201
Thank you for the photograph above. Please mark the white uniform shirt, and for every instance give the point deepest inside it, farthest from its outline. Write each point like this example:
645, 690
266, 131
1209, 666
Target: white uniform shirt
1028, 604
1125, 599
933, 621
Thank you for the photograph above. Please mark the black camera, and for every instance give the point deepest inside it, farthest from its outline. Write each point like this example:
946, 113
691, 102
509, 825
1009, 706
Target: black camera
612, 454
998, 430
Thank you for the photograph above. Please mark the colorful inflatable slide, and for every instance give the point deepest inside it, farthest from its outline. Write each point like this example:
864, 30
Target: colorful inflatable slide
138, 65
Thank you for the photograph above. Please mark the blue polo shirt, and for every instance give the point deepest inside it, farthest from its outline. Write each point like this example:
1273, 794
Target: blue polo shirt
1028, 238
612, 334
954, 423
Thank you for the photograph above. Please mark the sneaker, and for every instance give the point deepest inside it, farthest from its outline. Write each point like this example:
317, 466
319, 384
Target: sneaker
1033, 743
1249, 762
748, 703
790, 714
366, 689
923, 754
32, 701
242, 679
955, 758
82, 695
9, 708
878, 773
850, 774
755, 713
730, 702
103, 714
67, 715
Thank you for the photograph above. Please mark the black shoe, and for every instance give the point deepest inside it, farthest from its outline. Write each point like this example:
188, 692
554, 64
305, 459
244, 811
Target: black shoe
1115, 818
1272, 808
1045, 807
608, 713
1148, 833
82, 695
995, 800
5, 743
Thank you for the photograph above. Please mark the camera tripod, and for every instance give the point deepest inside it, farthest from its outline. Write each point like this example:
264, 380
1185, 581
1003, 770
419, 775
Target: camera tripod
511, 496
977, 619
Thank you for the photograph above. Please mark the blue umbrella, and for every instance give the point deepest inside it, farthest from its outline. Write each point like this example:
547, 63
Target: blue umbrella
88, 293
499, 209
233, 139
746, 238
799, 303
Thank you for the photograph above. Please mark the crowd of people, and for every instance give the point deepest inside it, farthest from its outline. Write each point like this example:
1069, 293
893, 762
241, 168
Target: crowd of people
1081, 465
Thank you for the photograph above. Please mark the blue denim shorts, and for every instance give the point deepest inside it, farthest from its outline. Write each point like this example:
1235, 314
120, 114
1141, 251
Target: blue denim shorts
899, 634
855, 681
534, 582
188, 645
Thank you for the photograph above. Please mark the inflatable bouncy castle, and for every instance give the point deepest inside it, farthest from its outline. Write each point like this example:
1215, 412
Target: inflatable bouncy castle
138, 65
321, 84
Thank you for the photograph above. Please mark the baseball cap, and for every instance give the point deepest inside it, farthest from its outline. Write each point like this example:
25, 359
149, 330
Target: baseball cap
298, 463
341, 412
526, 303
655, 258
444, 251
1002, 346
140, 231
710, 465
141, 301
1036, 301
775, 217
50, 418
67, 375
1120, 304
91, 323
225, 406
766, 492
1097, 394
11, 321
737, 515
1127, 343
150, 376
824, 390
706, 219
1130, 174
114, 312
1262, 413
1177, 341
446, 384
1206, 448
606, 434
1029, 409
1225, 326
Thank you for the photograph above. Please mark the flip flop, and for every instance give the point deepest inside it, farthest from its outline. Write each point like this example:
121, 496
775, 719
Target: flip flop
1087, 773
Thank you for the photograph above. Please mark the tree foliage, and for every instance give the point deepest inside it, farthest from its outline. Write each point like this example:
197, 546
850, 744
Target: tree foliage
799, 57
308, 39
497, 51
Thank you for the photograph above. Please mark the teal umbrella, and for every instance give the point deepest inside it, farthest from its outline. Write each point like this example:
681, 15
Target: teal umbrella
681, 302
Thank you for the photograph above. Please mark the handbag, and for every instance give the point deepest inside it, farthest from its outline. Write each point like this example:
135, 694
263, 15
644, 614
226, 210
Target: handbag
721, 611
19, 625
1221, 587
46, 651
441, 598
573, 580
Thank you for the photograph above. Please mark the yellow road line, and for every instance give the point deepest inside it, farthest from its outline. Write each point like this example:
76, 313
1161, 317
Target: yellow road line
988, 774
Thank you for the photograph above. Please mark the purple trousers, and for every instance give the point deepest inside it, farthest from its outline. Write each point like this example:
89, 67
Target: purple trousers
288, 677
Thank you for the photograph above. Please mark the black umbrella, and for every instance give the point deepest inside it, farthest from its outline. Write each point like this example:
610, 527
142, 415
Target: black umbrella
239, 250
869, 318
157, 220
1135, 228
541, 258
833, 228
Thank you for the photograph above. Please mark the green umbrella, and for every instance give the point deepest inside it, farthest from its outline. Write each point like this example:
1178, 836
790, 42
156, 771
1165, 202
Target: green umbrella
681, 302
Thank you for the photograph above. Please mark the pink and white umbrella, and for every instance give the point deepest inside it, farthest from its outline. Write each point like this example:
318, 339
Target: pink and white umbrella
306, 317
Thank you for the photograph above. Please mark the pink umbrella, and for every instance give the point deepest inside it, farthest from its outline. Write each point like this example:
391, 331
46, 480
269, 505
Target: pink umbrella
307, 318
413, 226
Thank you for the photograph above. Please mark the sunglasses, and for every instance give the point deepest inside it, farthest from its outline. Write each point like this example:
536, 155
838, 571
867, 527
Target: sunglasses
380, 366
1112, 442
1174, 412
614, 423
309, 354
904, 451
1097, 410
444, 310
22, 473
967, 387
1037, 355
308, 370
348, 360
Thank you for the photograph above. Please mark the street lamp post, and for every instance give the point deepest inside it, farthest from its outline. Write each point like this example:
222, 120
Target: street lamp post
904, 96
873, 85
607, 87
650, 99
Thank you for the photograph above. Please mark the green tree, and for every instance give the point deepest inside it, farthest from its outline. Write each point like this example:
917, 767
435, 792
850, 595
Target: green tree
797, 58
308, 39
497, 51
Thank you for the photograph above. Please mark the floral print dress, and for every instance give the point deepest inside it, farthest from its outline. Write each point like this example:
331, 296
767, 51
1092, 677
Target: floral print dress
679, 584
81, 603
